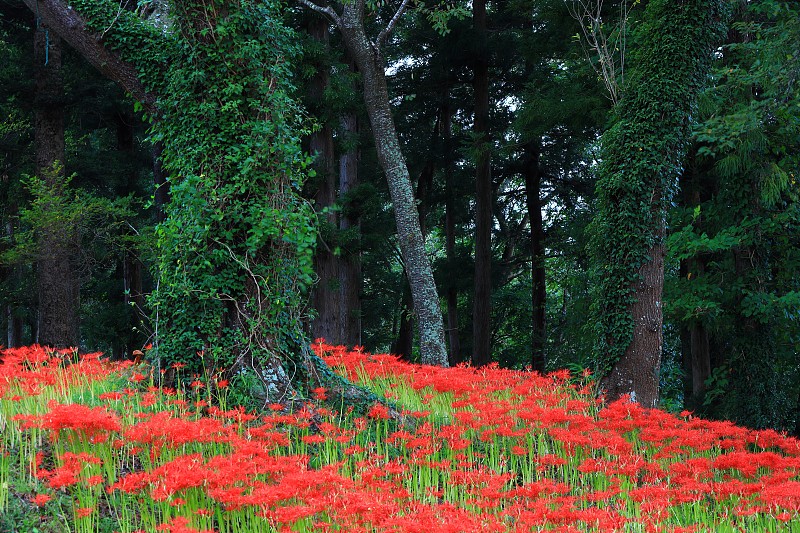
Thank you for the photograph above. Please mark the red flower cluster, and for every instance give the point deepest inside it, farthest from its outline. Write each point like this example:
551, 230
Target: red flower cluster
485, 450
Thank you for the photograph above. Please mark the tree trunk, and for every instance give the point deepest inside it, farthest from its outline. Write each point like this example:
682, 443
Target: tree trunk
390, 156
403, 345
57, 278
642, 157
482, 302
695, 338
350, 264
637, 371
66, 23
326, 295
133, 295
13, 319
445, 121
533, 184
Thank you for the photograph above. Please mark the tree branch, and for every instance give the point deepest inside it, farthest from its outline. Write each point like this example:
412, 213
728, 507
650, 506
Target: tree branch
382, 36
325, 10
71, 27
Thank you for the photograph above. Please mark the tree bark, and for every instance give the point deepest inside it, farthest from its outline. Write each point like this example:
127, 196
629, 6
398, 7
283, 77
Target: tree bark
695, 337
403, 345
445, 121
326, 294
637, 371
350, 264
14, 275
533, 185
390, 156
56, 274
482, 302
64, 21
642, 158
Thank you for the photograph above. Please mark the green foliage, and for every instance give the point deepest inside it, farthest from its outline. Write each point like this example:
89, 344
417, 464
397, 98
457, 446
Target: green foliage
55, 204
643, 155
738, 232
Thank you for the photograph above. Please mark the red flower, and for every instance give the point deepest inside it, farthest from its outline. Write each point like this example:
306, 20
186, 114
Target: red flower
379, 412
83, 512
41, 499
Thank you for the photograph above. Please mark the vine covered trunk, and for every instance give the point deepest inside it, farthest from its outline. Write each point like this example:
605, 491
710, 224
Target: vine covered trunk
642, 159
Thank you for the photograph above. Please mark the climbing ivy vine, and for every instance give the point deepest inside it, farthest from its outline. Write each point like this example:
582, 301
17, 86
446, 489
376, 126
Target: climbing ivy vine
235, 253
642, 158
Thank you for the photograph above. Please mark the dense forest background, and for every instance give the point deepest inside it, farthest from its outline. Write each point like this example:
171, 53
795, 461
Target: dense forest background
528, 129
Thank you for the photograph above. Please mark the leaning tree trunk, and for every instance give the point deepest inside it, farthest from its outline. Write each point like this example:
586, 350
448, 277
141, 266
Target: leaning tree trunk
55, 268
390, 156
642, 156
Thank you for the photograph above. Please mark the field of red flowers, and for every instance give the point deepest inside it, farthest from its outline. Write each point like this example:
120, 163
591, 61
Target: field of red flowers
94, 443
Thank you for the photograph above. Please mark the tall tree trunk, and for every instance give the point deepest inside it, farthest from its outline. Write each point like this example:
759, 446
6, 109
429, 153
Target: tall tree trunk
695, 337
350, 264
326, 293
403, 345
405, 336
14, 273
133, 293
642, 156
390, 156
446, 117
482, 303
57, 278
533, 186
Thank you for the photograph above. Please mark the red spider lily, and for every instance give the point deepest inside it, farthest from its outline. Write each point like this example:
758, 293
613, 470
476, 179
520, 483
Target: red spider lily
378, 412
83, 512
41, 499
80, 418
180, 524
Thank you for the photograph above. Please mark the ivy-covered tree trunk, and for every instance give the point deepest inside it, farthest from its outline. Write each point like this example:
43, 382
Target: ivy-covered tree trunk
642, 157
55, 268
412, 244
236, 247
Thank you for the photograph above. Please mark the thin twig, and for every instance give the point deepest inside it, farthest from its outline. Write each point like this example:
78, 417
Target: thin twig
382, 36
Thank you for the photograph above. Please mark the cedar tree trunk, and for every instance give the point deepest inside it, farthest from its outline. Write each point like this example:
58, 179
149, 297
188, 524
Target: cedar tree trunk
57, 279
482, 302
533, 185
